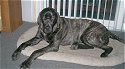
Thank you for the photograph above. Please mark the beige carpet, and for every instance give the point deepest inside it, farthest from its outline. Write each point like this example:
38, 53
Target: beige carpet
80, 56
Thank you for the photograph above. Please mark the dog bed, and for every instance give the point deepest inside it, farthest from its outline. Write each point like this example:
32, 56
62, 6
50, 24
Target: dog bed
80, 56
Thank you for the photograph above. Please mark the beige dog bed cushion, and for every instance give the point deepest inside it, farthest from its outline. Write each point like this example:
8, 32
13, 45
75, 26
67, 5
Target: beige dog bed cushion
81, 56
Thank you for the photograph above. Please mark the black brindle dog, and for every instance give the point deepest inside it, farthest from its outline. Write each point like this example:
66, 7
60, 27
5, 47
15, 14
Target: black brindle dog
80, 33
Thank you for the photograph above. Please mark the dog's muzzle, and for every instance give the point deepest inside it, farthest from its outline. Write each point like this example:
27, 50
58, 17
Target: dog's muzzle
47, 27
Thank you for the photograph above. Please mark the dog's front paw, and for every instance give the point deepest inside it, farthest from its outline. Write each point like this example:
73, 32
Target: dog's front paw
25, 65
16, 55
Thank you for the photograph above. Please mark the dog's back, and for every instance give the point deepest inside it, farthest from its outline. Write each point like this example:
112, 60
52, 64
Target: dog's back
75, 29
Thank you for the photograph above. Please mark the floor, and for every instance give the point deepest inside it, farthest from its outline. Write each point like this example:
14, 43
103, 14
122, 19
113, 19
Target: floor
8, 45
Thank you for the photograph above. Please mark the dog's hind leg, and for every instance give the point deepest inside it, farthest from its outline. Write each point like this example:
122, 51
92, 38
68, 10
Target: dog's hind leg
104, 40
77, 44
100, 40
83, 46
107, 51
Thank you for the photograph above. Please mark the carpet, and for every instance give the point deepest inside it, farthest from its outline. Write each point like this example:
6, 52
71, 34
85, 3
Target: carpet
89, 57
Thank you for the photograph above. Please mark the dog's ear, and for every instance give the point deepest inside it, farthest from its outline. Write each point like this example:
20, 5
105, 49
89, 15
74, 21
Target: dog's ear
57, 24
39, 21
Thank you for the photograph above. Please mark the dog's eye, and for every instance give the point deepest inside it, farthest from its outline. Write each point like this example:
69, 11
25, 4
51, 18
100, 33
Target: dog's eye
44, 18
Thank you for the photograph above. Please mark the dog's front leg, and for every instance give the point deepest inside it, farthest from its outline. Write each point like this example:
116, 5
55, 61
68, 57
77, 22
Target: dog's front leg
53, 47
35, 40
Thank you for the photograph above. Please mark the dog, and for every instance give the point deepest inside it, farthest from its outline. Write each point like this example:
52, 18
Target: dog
56, 30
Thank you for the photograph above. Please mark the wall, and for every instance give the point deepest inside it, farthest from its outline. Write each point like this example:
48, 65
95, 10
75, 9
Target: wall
124, 17
124, 11
26, 10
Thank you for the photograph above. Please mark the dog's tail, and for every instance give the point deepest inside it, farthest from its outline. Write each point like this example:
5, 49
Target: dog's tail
113, 36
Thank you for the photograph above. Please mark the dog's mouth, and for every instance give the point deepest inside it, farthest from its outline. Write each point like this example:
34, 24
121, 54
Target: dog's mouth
47, 30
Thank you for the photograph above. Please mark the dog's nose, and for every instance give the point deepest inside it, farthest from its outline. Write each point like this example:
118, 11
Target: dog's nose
48, 17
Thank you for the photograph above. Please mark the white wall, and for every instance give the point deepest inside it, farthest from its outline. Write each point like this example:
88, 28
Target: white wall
124, 16
124, 11
26, 10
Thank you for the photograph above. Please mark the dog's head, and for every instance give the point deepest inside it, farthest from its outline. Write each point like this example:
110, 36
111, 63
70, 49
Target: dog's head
48, 19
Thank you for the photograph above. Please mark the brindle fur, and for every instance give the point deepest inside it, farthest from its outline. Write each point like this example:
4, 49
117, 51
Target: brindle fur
79, 33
